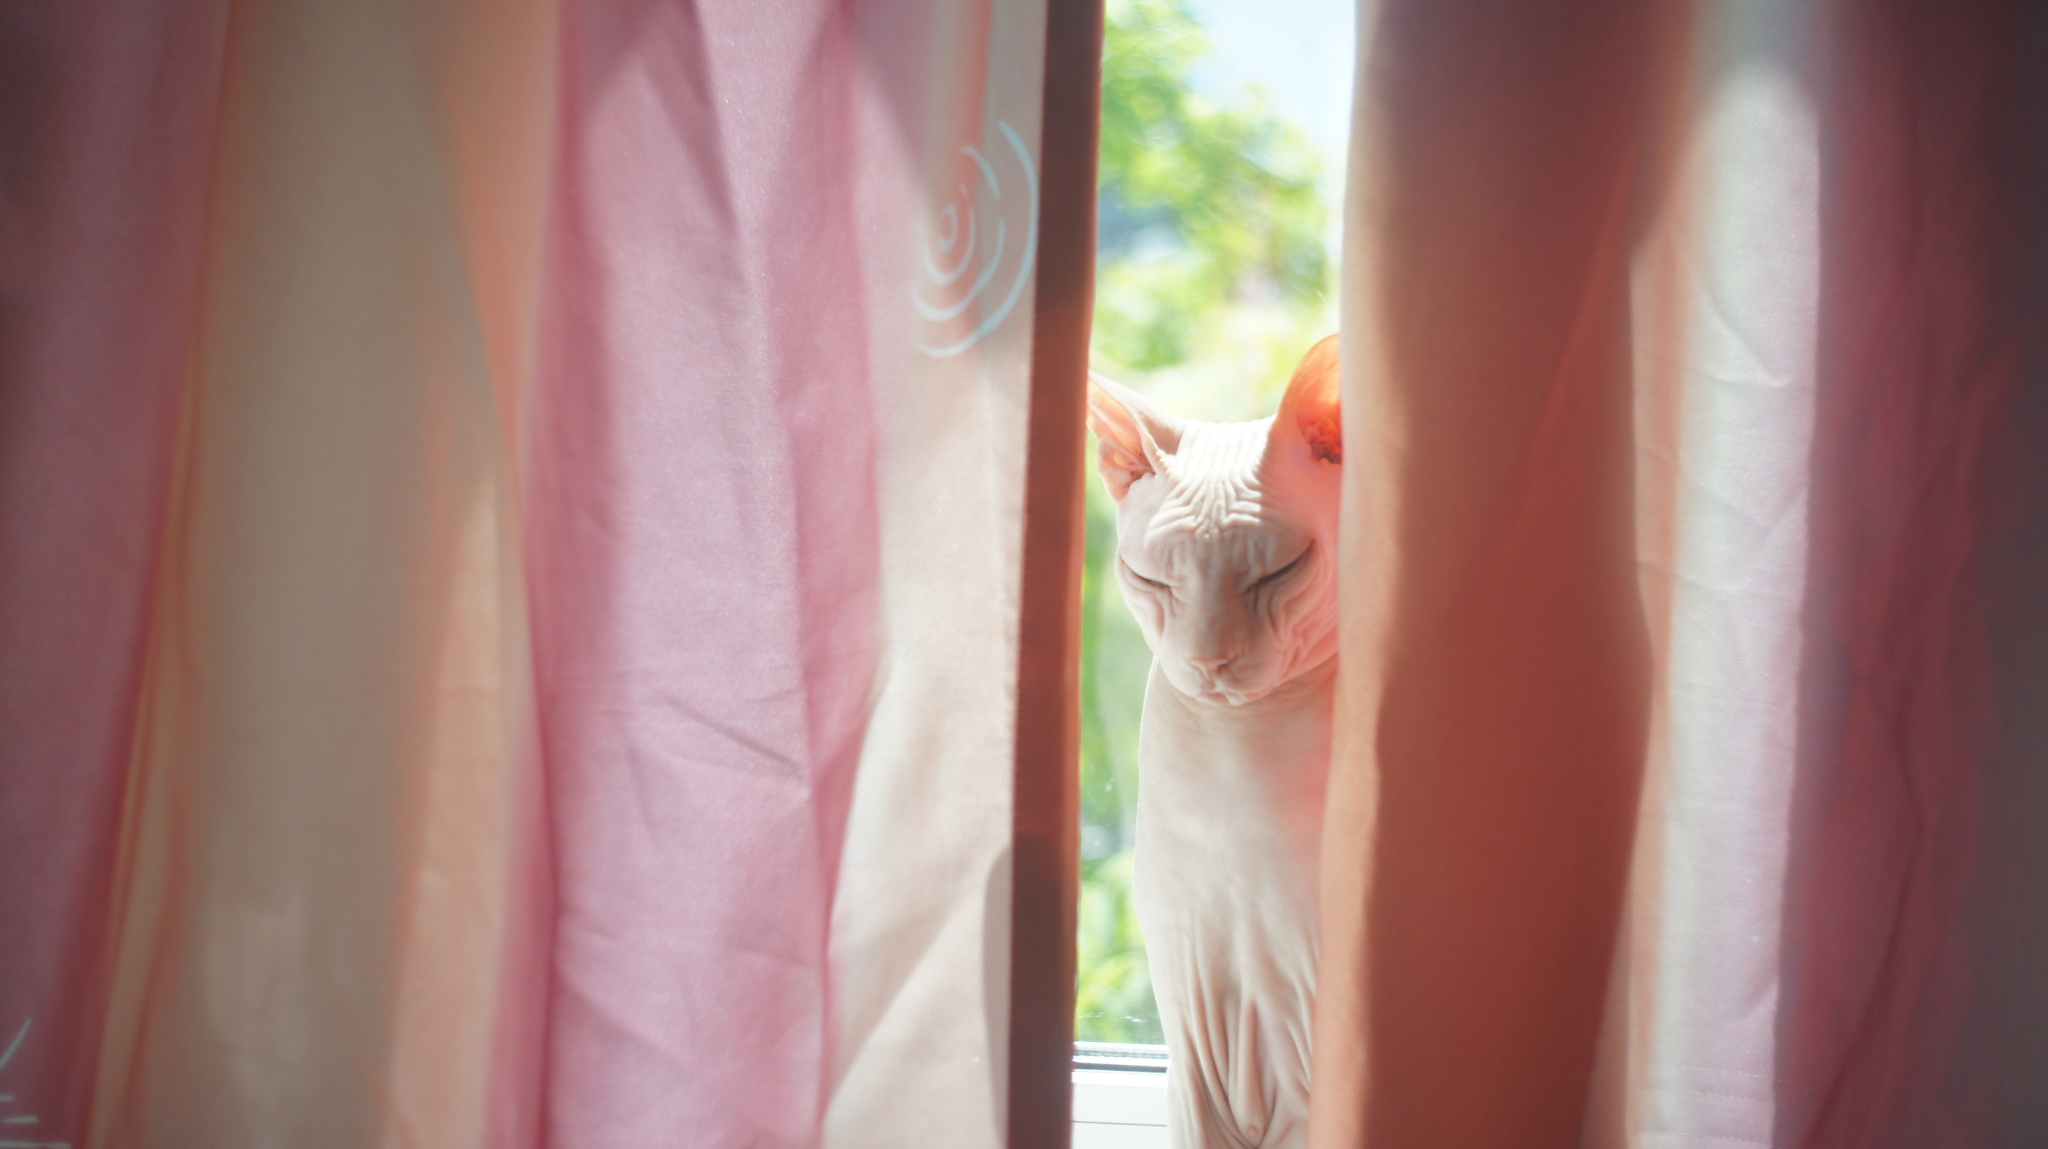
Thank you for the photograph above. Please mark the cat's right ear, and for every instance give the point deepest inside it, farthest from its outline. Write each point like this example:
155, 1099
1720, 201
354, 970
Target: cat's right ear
1135, 435
1313, 405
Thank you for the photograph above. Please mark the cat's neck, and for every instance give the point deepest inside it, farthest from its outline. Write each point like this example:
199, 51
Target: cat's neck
1245, 764
1306, 693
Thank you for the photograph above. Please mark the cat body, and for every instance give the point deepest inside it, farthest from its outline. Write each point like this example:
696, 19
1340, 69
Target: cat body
1226, 555
1229, 824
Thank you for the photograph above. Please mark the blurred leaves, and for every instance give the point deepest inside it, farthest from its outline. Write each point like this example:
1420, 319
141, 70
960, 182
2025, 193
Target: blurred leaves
1201, 203
1113, 1000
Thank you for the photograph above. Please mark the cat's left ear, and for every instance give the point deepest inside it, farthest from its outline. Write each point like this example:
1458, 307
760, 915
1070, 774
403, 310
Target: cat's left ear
1311, 407
1134, 434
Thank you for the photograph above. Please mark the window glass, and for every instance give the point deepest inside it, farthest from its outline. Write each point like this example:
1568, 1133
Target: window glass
1223, 132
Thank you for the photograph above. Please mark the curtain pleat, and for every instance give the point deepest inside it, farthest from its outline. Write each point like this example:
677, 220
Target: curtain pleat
1494, 694
1686, 790
775, 499
513, 518
313, 879
1908, 999
921, 939
702, 501
537, 549
106, 139
1725, 291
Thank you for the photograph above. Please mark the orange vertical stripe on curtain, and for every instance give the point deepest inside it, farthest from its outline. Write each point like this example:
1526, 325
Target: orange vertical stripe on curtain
1048, 849
1494, 690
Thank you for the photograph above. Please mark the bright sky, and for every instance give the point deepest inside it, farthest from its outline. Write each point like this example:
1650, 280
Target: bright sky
1299, 51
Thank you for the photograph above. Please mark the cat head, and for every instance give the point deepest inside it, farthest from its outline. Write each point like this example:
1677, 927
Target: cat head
1227, 532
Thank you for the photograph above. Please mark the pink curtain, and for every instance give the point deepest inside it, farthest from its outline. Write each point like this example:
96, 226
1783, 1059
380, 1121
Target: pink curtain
514, 574
1690, 780
107, 126
510, 523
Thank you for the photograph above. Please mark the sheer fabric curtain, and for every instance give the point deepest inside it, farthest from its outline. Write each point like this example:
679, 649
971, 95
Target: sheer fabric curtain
536, 550
511, 524
1690, 786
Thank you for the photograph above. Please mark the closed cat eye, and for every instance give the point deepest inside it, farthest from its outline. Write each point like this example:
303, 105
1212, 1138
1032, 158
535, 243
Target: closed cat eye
1151, 582
1278, 576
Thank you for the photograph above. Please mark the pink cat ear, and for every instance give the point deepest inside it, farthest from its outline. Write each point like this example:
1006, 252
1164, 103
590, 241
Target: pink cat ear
1134, 434
1311, 406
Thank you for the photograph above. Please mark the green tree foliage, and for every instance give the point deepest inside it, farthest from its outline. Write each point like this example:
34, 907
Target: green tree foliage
1206, 210
1113, 998
1201, 203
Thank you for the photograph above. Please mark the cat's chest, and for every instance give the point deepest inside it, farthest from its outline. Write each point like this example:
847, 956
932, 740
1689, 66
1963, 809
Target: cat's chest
1232, 800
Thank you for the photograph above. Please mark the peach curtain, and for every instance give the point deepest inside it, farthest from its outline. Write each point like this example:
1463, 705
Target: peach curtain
1690, 784
510, 568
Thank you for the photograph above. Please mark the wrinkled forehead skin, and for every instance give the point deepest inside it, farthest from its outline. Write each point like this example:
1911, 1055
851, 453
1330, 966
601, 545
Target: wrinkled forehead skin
1231, 504
1220, 500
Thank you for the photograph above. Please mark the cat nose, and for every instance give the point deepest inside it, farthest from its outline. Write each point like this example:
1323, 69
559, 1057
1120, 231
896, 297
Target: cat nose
1212, 666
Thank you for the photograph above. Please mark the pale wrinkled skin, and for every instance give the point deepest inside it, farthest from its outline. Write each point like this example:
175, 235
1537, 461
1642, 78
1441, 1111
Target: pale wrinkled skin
1227, 537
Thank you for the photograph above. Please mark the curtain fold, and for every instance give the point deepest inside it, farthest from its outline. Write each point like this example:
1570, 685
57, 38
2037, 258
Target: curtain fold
314, 870
1910, 886
1493, 696
536, 551
1686, 785
921, 915
1725, 291
106, 141
692, 707
512, 519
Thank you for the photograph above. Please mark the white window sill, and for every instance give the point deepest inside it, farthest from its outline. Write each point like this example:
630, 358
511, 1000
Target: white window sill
1119, 1096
